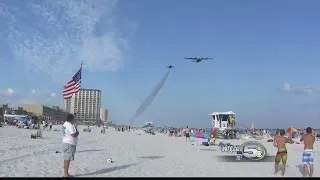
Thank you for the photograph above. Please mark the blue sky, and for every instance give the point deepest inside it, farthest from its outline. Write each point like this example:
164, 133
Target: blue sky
266, 65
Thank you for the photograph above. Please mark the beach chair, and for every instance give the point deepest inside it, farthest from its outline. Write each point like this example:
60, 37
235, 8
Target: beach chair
213, 141
36, 135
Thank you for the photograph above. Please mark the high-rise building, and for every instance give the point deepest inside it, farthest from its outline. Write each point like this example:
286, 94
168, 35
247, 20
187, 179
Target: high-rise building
104, 114
85, 104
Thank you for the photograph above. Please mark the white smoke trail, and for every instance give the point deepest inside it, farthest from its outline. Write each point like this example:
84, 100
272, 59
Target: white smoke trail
147, 102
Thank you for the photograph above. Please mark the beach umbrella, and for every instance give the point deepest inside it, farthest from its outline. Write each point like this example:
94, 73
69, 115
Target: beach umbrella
212, 131
252, 126
200, 136
292, 130
232, 121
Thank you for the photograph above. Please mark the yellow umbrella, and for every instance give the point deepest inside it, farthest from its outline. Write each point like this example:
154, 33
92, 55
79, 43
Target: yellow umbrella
232, 121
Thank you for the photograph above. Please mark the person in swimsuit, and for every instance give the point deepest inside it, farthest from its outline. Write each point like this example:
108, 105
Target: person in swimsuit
281, 156
308, 154
187, 134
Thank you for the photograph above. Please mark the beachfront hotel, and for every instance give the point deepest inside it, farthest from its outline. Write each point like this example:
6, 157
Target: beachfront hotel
53, 113
85, 104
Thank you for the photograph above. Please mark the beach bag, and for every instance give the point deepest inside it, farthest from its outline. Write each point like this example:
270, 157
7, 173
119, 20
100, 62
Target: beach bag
205, 143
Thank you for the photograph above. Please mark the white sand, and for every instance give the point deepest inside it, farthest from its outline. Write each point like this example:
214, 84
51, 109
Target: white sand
134, 155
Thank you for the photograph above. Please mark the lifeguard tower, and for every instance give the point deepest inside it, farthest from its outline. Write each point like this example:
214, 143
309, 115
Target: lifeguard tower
223, 120
149, 124
149, 128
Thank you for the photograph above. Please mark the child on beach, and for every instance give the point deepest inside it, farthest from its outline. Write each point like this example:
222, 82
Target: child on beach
281, 156
308, 153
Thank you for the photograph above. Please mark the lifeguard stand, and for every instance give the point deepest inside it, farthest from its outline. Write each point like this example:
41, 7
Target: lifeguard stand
149, 124
223, 120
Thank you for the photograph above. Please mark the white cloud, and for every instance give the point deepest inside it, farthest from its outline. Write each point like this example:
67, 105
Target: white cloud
289, 88
53, 95
7, 95
33, 97
55, 37
33, 91
8, 92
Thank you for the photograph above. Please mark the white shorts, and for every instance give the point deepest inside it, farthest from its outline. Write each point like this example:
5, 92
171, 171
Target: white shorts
68, 151
308, 157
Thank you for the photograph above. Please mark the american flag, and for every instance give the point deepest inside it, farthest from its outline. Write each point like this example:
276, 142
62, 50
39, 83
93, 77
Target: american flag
73, 86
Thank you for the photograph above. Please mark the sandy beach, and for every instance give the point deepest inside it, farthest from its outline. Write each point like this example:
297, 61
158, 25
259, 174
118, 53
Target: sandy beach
134, 155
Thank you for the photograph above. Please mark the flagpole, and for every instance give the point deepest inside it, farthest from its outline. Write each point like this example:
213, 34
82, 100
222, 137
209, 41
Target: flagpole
80, 87
81, 70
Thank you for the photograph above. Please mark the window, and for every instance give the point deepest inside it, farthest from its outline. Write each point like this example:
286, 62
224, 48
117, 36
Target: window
223, 117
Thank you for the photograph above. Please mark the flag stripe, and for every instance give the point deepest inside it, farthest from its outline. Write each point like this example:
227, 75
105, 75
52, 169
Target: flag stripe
73, 86
72, 89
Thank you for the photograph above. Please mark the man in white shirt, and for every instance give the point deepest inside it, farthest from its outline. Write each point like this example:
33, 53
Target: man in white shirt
69, 142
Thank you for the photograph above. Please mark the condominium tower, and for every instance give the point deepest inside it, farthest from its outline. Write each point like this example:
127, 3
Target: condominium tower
85, 105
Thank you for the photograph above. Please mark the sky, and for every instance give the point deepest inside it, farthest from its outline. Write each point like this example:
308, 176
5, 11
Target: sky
265, 68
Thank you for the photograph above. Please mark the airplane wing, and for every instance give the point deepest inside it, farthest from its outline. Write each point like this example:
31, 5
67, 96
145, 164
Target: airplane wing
190, 58
206, 58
